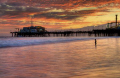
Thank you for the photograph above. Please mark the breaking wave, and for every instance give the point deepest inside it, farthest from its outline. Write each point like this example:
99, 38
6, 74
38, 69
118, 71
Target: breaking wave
25, 41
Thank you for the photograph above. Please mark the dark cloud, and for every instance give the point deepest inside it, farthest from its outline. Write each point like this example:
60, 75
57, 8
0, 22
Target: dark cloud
56, 15
21, 8
18, 12
15, 4
67, 15
14, 22
64, 4
58, 3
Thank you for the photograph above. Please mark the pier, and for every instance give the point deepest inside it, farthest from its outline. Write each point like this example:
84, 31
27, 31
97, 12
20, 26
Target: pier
96, 33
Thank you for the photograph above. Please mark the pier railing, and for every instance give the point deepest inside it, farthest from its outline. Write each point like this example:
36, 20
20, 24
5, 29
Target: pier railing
109, 32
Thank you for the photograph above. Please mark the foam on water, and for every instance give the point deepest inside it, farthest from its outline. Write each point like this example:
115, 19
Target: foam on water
25, 41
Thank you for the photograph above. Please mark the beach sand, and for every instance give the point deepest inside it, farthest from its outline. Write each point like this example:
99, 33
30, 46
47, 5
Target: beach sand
75, 59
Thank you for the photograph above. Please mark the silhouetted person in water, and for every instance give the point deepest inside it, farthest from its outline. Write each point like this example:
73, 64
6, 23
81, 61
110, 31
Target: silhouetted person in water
95, 42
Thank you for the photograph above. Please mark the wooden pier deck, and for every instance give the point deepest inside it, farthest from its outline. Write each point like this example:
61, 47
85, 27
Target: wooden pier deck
110, 32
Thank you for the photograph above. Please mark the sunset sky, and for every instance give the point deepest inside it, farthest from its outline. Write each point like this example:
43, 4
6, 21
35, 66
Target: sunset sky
56, 14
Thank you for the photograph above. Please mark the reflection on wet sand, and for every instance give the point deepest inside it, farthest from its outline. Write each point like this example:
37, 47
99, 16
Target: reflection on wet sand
77, 59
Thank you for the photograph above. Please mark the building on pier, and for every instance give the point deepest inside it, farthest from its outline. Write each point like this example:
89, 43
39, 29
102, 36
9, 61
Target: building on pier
33, 29
117, 24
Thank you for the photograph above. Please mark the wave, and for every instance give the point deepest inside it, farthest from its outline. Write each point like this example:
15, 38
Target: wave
25, 41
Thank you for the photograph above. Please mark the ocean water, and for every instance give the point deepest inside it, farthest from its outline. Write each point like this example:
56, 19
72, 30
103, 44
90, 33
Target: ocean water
59, 57
27, 41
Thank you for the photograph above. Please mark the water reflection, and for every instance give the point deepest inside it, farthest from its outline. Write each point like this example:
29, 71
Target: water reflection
62, 60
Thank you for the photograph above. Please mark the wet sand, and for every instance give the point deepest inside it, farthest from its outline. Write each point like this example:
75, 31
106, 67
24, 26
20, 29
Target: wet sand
75, 59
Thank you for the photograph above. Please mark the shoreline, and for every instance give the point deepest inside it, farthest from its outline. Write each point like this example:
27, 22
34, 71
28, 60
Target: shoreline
30, 41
